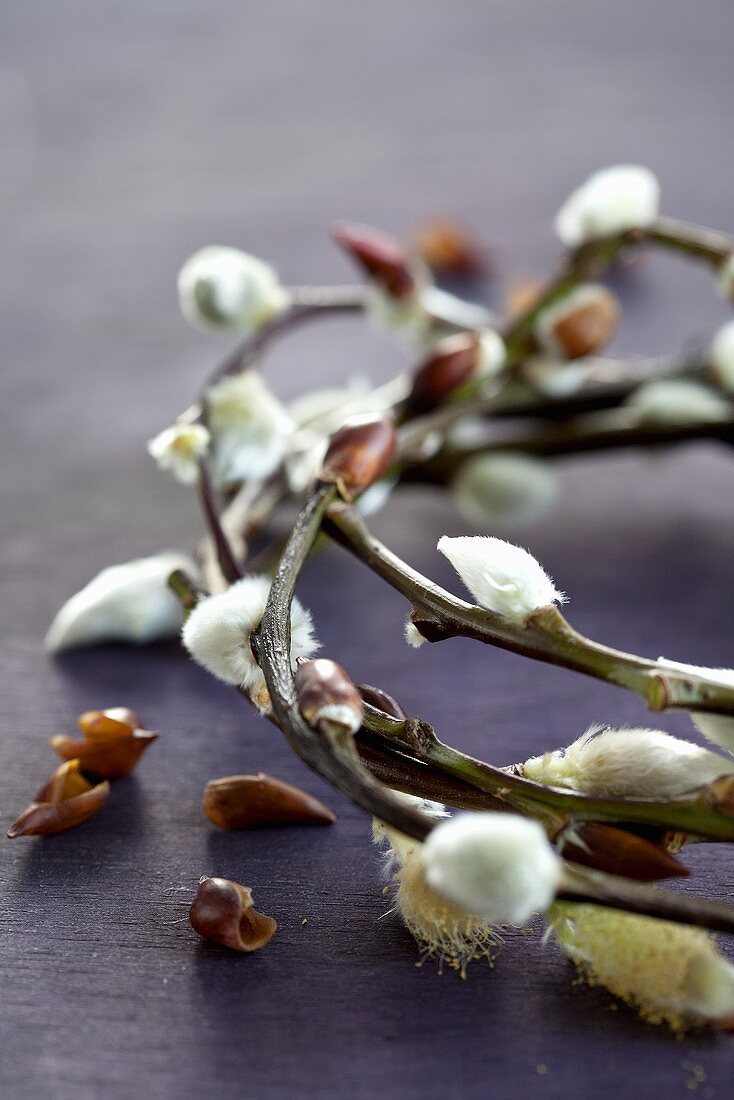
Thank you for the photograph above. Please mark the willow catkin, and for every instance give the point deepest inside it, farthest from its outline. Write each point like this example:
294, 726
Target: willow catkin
443, 931
669, 972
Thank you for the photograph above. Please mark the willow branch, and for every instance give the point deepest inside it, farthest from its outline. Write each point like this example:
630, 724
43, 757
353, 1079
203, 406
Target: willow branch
593, 258
695, 241
607, 382
416, 739
615, 429
228, 563
545, 635
594, 887
308, 303
334, 759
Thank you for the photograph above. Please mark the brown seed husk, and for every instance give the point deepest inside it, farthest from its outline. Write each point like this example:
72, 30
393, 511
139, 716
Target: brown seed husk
222, 912
359, 454
112, 745
251, 801
380, 256
67, 799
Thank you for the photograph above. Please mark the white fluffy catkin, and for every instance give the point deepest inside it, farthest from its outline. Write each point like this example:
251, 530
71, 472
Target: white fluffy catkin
217, 634
670, 973
123, 603
444, 932
628, 763
503, 578
500, 866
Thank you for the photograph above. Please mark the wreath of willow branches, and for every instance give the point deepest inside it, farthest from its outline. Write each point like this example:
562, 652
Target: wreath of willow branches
361, 741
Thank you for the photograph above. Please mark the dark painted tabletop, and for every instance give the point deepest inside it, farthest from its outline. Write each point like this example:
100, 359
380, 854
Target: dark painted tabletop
132, 134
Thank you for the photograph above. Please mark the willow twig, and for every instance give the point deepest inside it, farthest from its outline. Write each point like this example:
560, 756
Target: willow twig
545, 635
336, 760
557, 808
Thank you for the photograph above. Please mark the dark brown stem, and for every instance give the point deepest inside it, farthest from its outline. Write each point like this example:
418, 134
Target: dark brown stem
228, 563
404, 773
584, 885
309, 303
336, 760
612, 429
607, 383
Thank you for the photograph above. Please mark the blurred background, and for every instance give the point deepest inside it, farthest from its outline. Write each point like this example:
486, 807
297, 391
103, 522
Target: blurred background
134, 133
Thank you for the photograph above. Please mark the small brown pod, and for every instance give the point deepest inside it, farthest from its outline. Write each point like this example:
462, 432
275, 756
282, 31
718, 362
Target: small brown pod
579, 324
380, 256
451, 364
448, 248
326, 694
522, 295
618, 852
112, 744
65, 800
380, 700
113, 722
249, 801
222, 912
359, 453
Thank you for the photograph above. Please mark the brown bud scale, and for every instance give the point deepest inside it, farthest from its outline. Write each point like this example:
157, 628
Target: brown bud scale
380, 256
618, 852
359, 454
325, 691
451, 365
380, 700
222, 912
250, 801
447, 248
112, 744
587, 328
67, 799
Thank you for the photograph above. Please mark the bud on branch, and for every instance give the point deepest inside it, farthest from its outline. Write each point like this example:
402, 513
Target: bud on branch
359, 454
380, 256
450, 366
619, 852
326, 694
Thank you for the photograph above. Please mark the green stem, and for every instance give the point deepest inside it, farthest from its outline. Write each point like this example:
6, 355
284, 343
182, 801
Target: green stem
555, 807
545, 635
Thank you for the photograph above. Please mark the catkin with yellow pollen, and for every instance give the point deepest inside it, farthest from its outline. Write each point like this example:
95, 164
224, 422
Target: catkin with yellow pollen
443, 931
669, 972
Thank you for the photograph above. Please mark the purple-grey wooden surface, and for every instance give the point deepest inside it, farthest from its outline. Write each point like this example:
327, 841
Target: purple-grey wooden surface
132, 134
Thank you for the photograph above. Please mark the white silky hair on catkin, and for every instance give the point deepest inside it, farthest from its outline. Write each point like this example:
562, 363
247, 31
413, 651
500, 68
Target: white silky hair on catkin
498, 865
610, 201
670, 973
130, 602
249, 428
630, 763
217, 632
444, 932
502, 577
